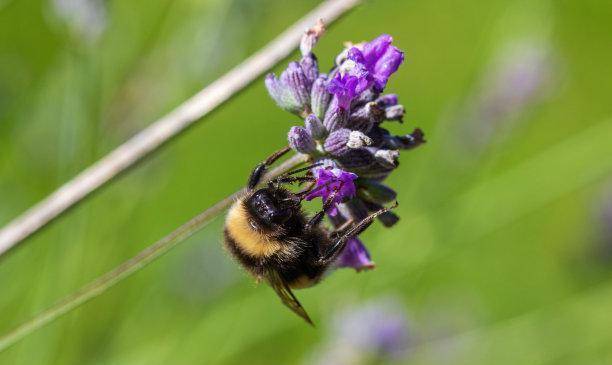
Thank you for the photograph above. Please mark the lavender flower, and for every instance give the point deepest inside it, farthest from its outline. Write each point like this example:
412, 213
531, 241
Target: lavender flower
311, 37
379, 58
379, 327
367, 116
395, 112
387, 100
300, 140
336, 116
292, 90
333, 182
344, 111
315, 127
319, 96
355, 255
363, 68
311, 68
376, 192
603, 216
370, 333
87, 18
518, 78
337, 144
350, 80
357, 139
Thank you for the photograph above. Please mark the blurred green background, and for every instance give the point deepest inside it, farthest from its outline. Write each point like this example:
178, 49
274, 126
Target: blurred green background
504, 251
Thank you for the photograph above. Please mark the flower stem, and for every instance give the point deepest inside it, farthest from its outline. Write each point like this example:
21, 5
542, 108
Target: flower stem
142, 259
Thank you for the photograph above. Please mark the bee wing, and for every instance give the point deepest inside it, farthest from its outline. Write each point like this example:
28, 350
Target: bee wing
286, 295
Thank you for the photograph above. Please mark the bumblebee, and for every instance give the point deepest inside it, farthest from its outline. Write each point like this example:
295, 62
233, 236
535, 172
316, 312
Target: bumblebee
271, 237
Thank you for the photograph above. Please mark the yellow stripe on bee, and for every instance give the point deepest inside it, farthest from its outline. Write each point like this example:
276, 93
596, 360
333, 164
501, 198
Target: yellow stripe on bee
247, 238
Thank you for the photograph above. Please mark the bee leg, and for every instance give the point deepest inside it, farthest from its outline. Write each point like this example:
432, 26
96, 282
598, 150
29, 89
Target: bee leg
259, 170
303, 192
339, 232
345, 234
290, 179
294, 199
317, 218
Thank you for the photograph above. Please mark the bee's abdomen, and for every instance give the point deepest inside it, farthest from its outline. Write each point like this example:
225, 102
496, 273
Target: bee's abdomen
303, 271
304, 281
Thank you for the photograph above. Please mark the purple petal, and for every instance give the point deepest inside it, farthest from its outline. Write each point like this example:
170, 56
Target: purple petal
365, 68
355, 255
377, 332
388, 100
344, 87
386, 65
351, 79
356, 55
332, 181
372, 51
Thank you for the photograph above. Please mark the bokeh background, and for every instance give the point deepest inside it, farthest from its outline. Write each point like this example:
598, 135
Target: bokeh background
504, 251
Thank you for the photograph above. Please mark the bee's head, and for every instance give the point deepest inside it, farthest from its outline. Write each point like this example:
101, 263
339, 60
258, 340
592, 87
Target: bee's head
272, 207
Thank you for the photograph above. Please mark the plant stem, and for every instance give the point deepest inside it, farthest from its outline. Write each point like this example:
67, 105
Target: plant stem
142, 259
167, 127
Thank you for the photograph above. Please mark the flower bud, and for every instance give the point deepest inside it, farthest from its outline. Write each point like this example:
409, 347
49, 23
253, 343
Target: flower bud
336, 142
379, 136
341, 57
320, 97
374, 170
406, 142
395, 112
387, 100
283, 98
387, 157
297, 84
375, 192
310, 66
357, 139
358, 160
315, 127
366, 96
354, 210
311, 37
300, 140
342, 141
335, 118
366, 117
388, 219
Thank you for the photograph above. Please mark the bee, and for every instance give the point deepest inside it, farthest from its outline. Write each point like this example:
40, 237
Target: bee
270, 236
